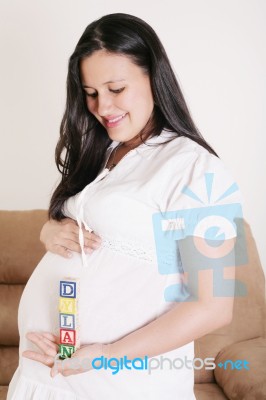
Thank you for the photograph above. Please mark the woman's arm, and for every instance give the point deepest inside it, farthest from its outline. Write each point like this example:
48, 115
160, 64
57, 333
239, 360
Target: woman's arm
184, 323
203, 312
62, 237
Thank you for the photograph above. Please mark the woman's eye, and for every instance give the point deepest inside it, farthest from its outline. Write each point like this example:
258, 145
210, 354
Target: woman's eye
117, 90
93, 95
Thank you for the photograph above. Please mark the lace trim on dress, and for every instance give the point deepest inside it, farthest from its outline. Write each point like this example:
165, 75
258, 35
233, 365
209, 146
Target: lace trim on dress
132, 249
27, 389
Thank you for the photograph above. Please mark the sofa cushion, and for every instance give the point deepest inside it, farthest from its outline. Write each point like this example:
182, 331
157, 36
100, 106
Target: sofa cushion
9, 300
243, 381
208, 391
8, 363
20, 247
3, 392
248, 315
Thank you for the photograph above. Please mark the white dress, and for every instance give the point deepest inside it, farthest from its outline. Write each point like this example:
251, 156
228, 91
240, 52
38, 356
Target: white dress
121, 285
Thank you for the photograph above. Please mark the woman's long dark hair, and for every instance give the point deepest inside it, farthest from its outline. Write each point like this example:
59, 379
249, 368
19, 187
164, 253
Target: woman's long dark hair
83, 140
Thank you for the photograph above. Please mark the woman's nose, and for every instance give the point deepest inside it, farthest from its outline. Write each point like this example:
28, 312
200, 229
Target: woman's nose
104, 105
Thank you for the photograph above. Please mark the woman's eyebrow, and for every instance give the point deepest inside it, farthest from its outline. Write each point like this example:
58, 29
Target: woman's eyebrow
114, 81
105, 83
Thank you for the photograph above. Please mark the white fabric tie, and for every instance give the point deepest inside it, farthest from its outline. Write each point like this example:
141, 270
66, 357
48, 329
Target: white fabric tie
80, 213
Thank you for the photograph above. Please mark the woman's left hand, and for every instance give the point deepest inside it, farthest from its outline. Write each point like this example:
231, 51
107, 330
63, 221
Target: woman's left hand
48, 343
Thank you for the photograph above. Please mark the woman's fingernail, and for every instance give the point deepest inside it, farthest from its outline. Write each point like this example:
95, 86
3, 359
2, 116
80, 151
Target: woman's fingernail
69, 254
88, 250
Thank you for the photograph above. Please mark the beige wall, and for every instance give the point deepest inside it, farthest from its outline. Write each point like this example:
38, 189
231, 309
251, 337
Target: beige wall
217, 48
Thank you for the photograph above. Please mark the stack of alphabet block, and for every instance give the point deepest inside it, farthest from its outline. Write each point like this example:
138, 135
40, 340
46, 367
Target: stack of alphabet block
68, 317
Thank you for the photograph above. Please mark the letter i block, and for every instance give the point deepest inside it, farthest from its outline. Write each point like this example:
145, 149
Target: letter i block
68, 317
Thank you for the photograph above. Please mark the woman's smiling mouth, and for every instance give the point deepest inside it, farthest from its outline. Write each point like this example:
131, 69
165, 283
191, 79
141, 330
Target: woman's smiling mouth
113, 121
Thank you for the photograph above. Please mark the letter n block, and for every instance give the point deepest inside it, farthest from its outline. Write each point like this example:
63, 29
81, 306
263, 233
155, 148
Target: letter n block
65, 351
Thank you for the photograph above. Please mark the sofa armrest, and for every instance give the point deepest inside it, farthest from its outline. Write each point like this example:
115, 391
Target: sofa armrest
241, 370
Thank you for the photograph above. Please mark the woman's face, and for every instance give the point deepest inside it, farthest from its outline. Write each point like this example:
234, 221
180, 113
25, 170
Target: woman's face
118, 94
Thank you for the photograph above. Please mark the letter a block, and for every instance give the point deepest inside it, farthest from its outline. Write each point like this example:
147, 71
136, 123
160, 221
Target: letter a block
68, 337
68, 317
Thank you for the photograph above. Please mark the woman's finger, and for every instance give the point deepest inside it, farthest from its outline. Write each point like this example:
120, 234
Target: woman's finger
70, 240
53, 347
92, 241
61, 251
51, 337
91, 236
92, 245
48, 348
70, 244
66, 247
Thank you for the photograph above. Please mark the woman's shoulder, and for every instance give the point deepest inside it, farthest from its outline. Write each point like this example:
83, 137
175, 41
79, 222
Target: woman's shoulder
182, 144
192, 169
183, 151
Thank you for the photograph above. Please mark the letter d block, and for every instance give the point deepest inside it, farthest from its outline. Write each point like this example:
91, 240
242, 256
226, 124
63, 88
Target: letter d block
67, 337
68, 288
65, 351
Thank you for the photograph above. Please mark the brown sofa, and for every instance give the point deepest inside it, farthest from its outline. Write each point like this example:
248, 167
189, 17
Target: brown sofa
243, 339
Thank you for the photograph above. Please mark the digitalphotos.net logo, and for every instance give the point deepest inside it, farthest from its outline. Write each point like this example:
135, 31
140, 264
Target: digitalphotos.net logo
118, 365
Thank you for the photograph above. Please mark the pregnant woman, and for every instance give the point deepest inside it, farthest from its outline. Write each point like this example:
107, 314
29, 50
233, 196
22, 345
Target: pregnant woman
135, 173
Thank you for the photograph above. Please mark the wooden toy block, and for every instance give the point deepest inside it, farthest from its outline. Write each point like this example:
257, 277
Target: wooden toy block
66, 351
67, 306
68, 337
67, 321
68, 288
68, 317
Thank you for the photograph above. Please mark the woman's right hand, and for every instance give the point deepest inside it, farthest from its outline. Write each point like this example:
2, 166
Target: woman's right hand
62, 237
